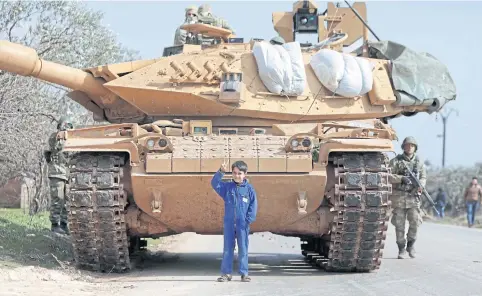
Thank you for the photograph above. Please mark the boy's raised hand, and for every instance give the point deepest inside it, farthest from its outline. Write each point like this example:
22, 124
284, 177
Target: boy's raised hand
223, 167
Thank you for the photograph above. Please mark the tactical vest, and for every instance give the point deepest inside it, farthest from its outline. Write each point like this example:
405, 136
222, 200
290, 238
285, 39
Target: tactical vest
401, 170
213, 21
208, 20
58, 162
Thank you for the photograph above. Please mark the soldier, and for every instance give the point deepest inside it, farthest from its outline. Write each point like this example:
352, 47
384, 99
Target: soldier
406, 197
191, 17
58, 177
206, 17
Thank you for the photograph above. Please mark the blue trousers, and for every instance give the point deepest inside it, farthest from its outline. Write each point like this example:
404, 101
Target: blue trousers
441, 210
241, 236
471, 208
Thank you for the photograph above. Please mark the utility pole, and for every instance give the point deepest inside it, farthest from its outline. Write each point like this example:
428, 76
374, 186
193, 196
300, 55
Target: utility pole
444, 122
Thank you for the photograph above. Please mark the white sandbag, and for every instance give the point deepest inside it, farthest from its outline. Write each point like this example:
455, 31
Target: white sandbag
298, 74
342, 73
366, 69
329, 68
286, 72
281, 68
351, 83
269, 66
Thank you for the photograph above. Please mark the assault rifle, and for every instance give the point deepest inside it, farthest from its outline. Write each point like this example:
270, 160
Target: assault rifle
417, 181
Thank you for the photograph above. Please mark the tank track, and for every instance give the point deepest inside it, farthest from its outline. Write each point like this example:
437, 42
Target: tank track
96, 206
361, 207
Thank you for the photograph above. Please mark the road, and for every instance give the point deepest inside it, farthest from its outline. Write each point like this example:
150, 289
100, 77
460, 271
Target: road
449, 262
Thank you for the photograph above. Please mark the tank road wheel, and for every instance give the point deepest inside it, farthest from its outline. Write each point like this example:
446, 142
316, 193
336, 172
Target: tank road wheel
96, 206
361, 206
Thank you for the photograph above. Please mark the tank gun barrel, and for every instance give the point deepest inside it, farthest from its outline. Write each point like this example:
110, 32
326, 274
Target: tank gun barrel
25, 61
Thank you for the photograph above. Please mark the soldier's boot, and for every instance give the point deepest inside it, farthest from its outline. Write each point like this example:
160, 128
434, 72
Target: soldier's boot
410, 248
401, 251
65, 227
57, 229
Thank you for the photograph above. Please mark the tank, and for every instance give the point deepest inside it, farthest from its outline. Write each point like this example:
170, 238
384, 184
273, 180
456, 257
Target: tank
318, 161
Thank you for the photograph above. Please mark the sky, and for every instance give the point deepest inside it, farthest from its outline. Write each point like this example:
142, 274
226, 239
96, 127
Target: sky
450, 31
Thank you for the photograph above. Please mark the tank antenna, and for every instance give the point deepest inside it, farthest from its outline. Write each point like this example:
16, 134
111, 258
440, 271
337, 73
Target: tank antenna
361, 19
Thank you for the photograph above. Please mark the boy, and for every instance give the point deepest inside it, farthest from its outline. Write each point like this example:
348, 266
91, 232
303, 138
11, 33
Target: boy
240, 207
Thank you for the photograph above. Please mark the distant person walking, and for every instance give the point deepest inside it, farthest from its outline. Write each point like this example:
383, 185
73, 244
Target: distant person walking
472, 199
441, 202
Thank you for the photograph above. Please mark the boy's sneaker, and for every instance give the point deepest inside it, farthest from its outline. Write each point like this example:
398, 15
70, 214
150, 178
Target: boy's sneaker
225, 278
245, 278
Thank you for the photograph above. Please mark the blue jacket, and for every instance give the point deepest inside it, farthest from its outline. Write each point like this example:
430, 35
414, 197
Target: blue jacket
240, 202
441, 198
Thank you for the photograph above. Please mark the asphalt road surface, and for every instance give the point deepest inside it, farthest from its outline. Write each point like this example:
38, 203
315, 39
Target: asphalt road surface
449, 262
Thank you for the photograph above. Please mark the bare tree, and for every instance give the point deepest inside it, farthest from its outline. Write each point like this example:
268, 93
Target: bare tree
65, 32
453, 181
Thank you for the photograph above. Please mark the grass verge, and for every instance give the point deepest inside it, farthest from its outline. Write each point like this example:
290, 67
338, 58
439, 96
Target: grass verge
27, 240
458, 221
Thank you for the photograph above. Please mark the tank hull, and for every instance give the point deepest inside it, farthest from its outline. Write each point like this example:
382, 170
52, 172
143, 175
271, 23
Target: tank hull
187, 203
127, 183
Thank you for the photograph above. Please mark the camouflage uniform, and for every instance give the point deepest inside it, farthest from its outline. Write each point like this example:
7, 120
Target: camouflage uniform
206, 17
180, 37
58, 177
406, 199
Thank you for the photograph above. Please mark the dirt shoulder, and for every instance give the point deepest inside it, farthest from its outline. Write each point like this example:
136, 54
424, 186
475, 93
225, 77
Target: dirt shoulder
26, 240
35, 261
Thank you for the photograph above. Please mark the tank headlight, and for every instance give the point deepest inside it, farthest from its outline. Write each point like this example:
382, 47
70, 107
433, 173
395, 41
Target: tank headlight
306, 143
150, 143
162, 143
294, 143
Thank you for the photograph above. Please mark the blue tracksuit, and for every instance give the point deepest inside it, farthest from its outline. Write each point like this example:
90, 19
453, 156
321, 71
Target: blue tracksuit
240, 207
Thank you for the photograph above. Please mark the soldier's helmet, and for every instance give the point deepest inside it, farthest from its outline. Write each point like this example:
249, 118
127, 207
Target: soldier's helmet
277, 40
204, 10
65, 123
410, 140
192, 9
205, 15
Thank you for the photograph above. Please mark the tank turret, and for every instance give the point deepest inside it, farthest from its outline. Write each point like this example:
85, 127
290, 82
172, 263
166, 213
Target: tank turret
225, 81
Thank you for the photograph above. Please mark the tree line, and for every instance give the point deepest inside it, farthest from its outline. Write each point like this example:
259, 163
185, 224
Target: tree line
65, 32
